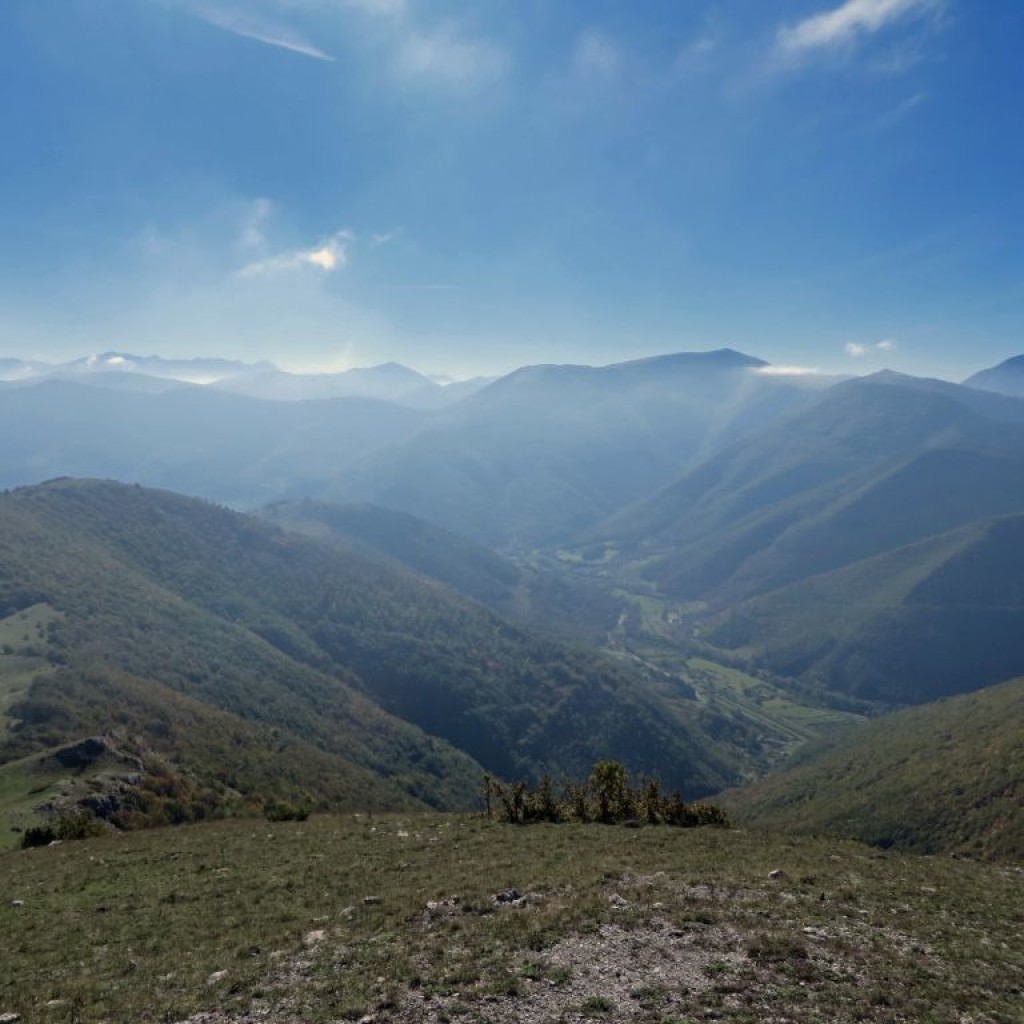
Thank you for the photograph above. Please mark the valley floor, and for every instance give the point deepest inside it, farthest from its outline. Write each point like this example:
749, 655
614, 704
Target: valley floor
444, 918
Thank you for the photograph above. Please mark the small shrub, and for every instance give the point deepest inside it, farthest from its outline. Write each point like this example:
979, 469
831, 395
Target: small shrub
596, 1006
79, 826
284, 810
606, 796
37, 835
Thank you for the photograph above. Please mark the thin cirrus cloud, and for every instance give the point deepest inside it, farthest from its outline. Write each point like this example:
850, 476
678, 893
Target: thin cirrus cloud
856, 350
443, 54
329, 255
843, 26
595, 55
901, 111
260, 29
418, 52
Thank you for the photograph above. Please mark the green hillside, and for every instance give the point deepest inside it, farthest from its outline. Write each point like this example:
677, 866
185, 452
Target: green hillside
165, 607
545, 600
927, 620
875, 464
947, 777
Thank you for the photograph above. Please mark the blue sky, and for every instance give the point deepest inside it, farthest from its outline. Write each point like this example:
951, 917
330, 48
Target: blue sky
467, 187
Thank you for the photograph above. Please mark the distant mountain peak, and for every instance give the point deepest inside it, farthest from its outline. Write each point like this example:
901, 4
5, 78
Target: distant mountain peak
1007, 377
719, 358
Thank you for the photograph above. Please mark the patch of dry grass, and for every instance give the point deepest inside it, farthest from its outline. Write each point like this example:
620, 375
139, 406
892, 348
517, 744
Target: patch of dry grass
246, 921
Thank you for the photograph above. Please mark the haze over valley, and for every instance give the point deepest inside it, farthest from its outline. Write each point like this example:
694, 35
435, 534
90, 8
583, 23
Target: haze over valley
690, 563
511, 512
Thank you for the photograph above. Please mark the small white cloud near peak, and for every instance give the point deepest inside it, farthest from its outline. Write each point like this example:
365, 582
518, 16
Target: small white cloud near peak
596, 55
444, 55
786, 371
329, 255
844, 25
856, 350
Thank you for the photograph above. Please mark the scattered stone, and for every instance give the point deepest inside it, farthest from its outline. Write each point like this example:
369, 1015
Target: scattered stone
513, 896
372, 901
314, 938
216, 976
777, 873
444, 908
618, 902
17, 903
9, 1018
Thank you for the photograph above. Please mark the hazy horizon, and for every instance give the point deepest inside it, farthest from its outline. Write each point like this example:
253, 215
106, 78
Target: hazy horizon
826, 183
121, 361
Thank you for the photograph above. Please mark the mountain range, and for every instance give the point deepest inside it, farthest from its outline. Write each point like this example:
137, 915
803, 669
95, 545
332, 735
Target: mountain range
390, 382
517, 579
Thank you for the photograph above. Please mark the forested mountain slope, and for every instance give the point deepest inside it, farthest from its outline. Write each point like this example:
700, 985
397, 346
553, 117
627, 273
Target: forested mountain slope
545, 600
548, 451
350, 655
924, 621
944, 778
875, 463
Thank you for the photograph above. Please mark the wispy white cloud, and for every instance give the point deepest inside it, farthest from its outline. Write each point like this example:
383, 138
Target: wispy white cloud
596, 55
415, 43
329, 255
843, 26
444, 54
252, 236
380, 8
383, 237
694, 54
857, 350
901, 110
261, 29
786, 371
698, 52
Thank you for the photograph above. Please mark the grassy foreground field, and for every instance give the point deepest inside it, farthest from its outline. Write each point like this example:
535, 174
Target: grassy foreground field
437, 918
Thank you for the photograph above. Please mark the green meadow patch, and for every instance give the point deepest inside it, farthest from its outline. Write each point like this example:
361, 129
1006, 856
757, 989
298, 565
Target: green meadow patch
442, 918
